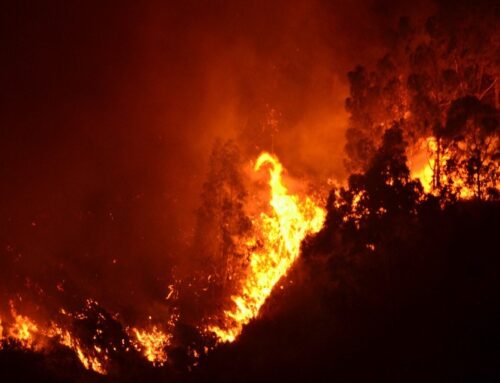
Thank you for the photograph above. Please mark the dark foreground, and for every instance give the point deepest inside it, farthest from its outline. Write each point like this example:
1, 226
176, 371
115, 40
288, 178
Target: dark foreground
423, 305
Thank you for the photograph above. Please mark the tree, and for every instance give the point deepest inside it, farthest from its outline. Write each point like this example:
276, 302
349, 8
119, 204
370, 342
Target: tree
386, 187
221, 220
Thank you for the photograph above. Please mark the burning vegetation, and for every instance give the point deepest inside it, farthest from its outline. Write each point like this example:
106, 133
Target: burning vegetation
269, 248
272, 249
439, 84
286, 275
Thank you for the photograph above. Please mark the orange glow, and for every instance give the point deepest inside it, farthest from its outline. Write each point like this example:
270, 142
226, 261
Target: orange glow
273, 249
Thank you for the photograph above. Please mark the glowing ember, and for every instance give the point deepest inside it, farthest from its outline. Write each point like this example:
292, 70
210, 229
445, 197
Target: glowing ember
278, 236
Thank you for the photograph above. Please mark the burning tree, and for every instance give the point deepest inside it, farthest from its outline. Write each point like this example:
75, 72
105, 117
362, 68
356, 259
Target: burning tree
221, 218
423, 84
221, 225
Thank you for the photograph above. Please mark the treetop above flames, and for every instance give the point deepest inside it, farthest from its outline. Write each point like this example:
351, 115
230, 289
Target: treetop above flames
440, 83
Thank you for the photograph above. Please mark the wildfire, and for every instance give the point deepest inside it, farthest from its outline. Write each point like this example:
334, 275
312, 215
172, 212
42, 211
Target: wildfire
272, 251
272, 248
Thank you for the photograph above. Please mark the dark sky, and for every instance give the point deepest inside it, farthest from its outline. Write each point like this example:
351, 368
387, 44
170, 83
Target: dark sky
109, 111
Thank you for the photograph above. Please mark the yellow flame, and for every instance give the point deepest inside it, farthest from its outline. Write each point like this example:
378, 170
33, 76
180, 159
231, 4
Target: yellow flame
90, 362
423, 165
33, 336
279, 236
152, 344
23, 329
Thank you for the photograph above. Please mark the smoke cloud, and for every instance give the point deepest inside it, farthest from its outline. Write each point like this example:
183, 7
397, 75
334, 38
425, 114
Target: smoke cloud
109, 114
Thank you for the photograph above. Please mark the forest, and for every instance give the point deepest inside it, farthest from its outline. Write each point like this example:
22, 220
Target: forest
400, 283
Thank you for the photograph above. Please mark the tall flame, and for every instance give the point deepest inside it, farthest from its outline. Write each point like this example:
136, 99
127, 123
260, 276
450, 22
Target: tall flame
272, 249
279, 235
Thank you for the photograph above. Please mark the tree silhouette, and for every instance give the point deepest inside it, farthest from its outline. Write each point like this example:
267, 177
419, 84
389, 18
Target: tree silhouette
221, 226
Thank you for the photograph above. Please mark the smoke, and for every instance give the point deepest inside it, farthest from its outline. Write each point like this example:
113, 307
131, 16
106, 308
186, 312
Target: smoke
109, 114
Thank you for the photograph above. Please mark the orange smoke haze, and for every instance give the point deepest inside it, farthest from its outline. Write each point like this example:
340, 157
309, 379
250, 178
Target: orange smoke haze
109, 114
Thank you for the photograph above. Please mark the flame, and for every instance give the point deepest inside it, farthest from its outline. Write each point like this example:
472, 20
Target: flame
23, 329
31, 335
422, 163
152, 344
272, 249
90, 362
279, 235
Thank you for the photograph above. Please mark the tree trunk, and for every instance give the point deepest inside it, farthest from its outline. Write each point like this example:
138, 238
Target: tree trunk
437, 178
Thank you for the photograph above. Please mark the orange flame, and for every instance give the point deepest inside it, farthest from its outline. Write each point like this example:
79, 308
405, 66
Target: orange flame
90, 362
279, 236
31, 335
